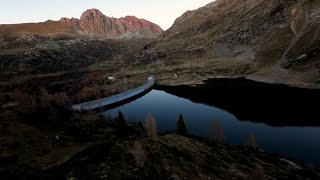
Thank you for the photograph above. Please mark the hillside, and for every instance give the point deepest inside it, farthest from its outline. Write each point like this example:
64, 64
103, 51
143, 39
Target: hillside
46, 67
276, 41
72, 56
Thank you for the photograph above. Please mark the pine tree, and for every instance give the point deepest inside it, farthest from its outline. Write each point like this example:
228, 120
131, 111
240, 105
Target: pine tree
181, 126
119, 121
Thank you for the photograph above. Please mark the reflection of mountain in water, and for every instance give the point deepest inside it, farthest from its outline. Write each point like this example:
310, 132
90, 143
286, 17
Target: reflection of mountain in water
276, 105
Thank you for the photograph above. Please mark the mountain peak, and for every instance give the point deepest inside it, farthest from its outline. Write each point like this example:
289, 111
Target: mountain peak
91, 14
94, 21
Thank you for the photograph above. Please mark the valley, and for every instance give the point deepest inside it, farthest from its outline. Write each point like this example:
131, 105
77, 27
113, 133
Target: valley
224, 62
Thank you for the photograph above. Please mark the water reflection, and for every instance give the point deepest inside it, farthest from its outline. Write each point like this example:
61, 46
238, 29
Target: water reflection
299, 142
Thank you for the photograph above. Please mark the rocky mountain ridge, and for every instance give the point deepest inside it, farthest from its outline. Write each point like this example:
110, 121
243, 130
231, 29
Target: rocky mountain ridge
92, 22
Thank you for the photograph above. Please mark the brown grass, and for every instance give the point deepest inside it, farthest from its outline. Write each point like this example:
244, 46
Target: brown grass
151, 127
139, 154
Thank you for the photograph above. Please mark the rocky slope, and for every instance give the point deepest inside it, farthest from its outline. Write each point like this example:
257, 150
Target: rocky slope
91, 22
279, 39
64, 64
72, 56
94, 21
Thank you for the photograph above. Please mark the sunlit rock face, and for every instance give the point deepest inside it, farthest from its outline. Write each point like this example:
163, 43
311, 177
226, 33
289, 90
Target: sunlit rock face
94, 21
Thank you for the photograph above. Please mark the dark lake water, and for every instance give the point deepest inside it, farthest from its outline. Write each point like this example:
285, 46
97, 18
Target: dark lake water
285, 120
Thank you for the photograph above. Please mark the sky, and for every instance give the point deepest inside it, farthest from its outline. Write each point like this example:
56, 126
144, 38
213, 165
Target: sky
161, 12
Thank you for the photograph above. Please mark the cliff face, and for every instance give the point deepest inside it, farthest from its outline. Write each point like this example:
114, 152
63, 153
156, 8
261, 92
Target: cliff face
91, 22
94, 21
275, 36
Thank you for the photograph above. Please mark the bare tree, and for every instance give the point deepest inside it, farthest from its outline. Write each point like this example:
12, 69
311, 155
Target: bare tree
151, 127
217, 132
252, 142
259, 173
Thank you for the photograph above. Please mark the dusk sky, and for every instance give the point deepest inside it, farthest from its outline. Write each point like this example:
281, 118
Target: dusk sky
162, 12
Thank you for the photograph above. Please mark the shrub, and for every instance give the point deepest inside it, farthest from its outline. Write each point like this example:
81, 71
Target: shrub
217, 132
88, 93
139, 154
59, 99
62, 99
151, 127
23, 98
252, 143
181, 126
259, 173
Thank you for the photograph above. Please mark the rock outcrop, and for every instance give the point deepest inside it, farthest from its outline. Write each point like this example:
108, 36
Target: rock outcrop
92, 22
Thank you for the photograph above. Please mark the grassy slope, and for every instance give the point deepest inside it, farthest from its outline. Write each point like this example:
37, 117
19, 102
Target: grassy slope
270, 36
174, 156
